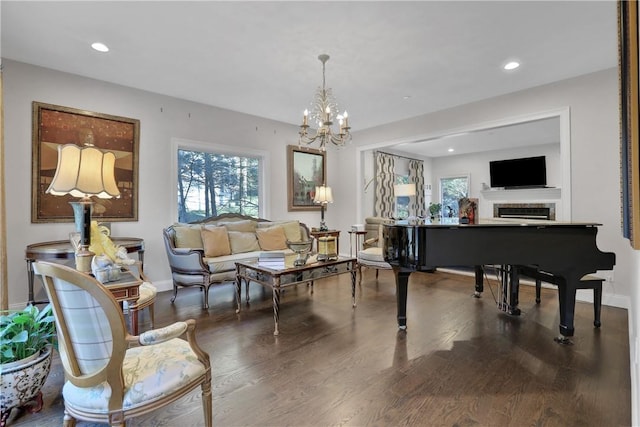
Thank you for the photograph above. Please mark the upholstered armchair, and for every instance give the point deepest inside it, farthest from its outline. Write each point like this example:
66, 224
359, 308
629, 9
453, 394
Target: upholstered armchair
110, 375
371, 254
187, 267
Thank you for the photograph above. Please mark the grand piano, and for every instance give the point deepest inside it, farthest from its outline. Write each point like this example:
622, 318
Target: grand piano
565, 251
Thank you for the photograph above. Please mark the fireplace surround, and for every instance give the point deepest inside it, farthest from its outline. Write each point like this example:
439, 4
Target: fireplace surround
538, 211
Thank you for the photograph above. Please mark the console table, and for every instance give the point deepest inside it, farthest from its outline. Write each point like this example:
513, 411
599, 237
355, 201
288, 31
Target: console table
61, 250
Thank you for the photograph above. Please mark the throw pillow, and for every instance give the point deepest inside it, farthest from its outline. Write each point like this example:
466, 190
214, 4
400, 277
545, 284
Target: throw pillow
291, 229
188, 237
247, 225
243, 242
272, 238
216, 241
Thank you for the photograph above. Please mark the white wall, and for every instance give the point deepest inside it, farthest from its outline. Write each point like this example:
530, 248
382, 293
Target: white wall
161, 118
595, 168
477, 167
595, 158
595, 162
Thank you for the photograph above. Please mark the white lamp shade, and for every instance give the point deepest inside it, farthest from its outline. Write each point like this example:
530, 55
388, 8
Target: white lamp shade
400, 190
84, 171
323, 195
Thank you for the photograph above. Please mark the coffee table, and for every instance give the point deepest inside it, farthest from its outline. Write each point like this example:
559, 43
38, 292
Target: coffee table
277, 279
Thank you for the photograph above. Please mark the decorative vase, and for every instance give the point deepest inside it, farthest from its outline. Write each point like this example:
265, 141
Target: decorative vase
302, 249
21, 383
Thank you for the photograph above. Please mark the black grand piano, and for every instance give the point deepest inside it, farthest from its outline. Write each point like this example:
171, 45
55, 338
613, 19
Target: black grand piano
565, 251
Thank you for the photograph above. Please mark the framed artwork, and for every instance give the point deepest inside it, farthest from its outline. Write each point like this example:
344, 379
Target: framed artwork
629, 120
306, 169
54, 125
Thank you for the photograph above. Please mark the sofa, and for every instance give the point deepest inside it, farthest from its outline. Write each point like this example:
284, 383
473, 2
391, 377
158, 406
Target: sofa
204, 253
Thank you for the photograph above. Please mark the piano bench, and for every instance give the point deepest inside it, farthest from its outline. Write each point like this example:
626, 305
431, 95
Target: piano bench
587, 282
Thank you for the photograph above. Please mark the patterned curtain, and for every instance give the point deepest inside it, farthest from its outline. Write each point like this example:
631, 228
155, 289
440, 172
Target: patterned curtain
384, 202
416, 174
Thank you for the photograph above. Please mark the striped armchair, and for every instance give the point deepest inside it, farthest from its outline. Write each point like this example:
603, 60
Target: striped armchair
110, 375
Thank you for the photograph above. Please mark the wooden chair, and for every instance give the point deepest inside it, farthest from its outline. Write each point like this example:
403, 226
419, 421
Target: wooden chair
110, 375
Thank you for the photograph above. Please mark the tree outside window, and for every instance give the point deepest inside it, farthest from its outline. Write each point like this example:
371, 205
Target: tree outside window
211, 184
402, 202
453, 189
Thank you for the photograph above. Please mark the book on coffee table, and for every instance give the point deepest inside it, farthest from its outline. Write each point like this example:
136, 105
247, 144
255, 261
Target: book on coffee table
274, 260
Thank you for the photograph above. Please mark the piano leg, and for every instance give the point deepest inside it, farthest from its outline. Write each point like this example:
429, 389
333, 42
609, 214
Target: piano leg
514, 299
567, 303
402, 282
479, 273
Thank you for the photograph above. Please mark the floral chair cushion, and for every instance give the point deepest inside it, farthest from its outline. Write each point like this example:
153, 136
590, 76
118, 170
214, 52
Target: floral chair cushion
150, 372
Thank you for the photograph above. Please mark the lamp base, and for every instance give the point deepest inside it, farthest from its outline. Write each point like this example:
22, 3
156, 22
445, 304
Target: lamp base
83, 259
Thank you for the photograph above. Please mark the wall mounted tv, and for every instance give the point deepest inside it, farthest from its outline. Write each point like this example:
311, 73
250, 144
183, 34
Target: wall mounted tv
528, 172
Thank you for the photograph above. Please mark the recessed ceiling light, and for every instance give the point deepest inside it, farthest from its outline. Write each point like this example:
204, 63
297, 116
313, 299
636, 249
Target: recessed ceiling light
511, 65
100, 47
406, 97
451, 150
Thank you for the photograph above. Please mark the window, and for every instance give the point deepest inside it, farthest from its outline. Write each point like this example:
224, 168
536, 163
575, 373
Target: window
212, 183
402, 202
453, 189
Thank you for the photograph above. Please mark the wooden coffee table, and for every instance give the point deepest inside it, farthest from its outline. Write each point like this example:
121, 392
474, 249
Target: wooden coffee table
277, 279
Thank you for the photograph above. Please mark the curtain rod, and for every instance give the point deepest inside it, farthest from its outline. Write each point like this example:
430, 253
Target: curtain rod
396, 155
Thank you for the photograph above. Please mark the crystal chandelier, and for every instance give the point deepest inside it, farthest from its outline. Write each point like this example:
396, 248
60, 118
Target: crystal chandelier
324, 110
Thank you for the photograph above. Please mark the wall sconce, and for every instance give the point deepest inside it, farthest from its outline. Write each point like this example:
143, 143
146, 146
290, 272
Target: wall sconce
84, 172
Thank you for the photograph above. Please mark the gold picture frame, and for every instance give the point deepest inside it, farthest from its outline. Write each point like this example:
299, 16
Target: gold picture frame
306, 169
629, 120
54, 125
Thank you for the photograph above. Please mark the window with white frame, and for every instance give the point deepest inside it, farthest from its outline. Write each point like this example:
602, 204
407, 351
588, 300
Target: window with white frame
212, 182
452, 189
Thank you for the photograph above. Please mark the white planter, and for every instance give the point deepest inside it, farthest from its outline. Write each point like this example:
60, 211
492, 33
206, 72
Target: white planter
21, 382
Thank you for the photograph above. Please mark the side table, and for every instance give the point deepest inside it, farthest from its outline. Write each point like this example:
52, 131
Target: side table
61, 250
358, 236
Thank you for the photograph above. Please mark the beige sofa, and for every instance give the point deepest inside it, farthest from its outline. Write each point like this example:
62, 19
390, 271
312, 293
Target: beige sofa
204, 253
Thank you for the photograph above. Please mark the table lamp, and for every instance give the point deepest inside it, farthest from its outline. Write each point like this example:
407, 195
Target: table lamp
323, 196
403, 190
84, 172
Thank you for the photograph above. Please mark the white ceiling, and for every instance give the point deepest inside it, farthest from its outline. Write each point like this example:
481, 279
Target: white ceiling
260, 58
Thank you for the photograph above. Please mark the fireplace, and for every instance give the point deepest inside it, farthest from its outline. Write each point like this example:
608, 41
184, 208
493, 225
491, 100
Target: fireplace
541, 211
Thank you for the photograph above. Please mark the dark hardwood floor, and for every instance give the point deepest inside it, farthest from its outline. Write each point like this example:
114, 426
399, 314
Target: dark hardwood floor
460, 363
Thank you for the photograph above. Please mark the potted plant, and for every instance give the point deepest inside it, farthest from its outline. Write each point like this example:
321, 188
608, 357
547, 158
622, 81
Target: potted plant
27, 338
434, 211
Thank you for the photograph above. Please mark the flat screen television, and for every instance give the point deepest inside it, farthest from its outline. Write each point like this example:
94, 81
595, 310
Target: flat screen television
528, 172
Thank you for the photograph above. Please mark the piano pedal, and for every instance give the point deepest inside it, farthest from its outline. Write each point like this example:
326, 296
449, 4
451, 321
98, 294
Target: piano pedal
561, 339
505, 307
